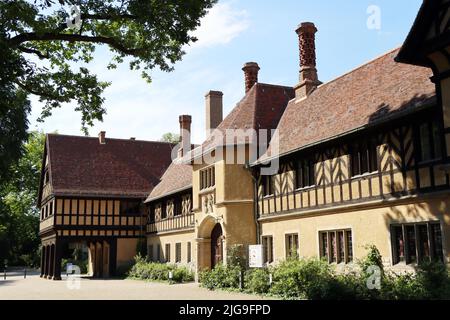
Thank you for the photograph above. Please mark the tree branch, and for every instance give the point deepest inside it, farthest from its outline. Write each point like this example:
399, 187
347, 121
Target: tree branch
33, 51
33, 36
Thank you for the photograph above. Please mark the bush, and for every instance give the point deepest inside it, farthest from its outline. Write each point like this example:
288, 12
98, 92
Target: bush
315, 279
257, 281
307, 279
144, 270
221, 277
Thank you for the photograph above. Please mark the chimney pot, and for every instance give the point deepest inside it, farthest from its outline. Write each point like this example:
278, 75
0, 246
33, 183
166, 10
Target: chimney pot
102, 137
214, 110
251, 70
185, 133
309, 81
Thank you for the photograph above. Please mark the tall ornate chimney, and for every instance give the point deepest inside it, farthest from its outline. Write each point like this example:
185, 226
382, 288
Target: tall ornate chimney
185, 134
251, 70
214, 110
308, 73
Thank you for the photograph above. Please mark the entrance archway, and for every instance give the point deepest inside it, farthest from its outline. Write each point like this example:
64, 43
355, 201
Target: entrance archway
216, 245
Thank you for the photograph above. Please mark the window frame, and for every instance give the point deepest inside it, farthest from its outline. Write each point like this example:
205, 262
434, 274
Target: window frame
435, 141
333, 256
178, 252
304, 168
267, 243
294, 236
366, 154
419, 256
207, 178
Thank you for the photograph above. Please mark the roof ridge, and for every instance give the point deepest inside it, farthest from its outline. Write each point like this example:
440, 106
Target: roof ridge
120, 139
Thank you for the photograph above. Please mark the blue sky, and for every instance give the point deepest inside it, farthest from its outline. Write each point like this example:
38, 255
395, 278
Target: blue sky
235, 32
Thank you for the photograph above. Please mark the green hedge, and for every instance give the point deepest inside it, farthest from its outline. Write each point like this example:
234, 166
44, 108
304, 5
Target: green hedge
144, 270
316, 280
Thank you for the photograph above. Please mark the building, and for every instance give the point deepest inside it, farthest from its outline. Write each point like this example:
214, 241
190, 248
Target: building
319, 169
91, 191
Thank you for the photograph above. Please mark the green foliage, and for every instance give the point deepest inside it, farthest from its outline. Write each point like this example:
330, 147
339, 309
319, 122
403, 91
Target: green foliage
257, 281
236, 257
171, 137
221, 277
19, 215
39, 49
315, 279
144, 270
309, 279
373, 258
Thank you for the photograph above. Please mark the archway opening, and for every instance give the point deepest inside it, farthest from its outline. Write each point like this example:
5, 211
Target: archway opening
216, 245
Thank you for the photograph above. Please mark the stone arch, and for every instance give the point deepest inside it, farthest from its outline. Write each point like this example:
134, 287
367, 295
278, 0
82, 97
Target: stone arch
204, 231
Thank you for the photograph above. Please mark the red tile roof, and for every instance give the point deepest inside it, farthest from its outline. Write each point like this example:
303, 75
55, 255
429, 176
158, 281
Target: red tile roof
261, 108
120, 168
178, 177
369, 94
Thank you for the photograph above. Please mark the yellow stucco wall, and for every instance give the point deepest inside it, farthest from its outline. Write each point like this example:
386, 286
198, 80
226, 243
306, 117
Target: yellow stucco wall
369, 226
180, 237
126, 250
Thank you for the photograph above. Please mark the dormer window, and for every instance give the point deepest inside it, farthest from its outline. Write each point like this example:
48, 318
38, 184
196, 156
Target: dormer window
430, 141
363, 158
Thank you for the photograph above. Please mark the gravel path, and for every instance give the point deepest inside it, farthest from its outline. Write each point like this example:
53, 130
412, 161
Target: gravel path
35, 288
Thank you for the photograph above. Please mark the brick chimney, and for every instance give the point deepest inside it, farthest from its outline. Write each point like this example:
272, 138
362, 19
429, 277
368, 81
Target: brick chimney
214, 110
102, 137
185, 134
251, 75
308, 73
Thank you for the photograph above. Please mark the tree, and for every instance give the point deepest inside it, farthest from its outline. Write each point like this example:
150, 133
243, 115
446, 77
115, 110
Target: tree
171, 137
45, 47
19, 215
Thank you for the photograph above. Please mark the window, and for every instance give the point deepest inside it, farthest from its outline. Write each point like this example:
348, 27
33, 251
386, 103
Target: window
177, 252
363, 158
150, 253
152, 214
167, 256
291, 245
177, 208
415, 243
189, 252
336, 246
305, 175
158, 253
430, 141
268, 185
207, 178
130, 207
267, 242
51, 209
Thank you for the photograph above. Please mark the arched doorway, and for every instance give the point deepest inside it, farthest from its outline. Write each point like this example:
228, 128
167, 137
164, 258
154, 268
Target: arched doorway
216, 245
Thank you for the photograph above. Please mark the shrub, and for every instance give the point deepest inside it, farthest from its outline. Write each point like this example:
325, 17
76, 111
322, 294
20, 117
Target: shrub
144, 270
257, 281
307, 279
221, 277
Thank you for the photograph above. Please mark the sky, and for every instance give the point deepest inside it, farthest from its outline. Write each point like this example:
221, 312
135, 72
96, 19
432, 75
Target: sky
234, 32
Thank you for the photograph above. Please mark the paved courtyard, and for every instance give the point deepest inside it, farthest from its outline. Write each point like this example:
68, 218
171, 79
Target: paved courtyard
35, 288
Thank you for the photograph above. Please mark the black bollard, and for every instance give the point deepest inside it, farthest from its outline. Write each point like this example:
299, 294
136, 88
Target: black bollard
25, 273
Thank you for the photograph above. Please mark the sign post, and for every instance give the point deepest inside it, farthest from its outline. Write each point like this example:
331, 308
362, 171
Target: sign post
255, 256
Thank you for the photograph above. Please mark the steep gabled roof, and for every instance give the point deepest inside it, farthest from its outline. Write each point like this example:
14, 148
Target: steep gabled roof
177, 178
261, 108
370, 94
412, 51
81, 166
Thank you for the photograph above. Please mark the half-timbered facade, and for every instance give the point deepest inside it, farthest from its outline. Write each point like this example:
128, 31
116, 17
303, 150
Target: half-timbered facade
92, 192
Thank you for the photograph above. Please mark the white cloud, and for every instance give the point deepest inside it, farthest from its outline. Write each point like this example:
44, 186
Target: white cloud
221, 25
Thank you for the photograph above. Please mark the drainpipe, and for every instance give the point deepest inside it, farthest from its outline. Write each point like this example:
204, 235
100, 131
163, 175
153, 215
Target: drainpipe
255, 203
